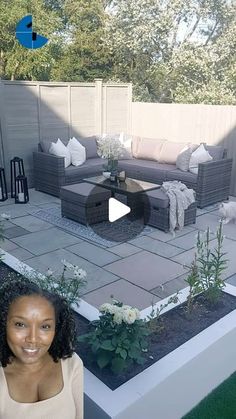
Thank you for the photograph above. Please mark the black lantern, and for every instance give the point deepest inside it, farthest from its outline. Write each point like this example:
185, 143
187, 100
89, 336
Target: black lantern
3, 185
17, 168
21, 190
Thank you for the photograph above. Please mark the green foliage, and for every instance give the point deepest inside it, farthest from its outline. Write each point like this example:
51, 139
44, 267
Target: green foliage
67, 285
155, 322
84, 56
118, 338
17, 62
206, 270
175, 51
171, 51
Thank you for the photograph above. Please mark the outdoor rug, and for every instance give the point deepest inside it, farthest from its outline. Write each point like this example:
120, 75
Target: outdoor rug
102, 234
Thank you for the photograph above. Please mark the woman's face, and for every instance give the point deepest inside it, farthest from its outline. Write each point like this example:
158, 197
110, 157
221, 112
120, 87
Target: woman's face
30, 328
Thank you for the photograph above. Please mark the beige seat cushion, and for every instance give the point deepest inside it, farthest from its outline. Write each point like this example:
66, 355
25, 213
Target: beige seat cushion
170, 151
149, 148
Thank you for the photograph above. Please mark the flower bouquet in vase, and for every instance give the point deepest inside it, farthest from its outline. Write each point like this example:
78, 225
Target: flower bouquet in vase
110, 148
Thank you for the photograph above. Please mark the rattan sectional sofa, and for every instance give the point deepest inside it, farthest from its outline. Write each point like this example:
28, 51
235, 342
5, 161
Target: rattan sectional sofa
212, 183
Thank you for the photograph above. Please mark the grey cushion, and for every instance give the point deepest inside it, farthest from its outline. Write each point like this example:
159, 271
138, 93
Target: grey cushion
146, 169
157, 198
45, 144
84, 192
216, 151
91, 167
90, 144
190, 179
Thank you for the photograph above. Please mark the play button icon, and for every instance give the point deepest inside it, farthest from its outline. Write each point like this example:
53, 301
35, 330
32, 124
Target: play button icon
117, 210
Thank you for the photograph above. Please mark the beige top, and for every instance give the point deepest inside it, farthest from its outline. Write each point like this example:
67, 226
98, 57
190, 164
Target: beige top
68, 404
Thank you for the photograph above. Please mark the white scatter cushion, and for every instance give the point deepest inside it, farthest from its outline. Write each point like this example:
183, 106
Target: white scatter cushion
184, 156
200, 155
126, 142
60, 150
77, 151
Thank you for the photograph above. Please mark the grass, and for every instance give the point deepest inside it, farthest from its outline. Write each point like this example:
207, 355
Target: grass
220, 404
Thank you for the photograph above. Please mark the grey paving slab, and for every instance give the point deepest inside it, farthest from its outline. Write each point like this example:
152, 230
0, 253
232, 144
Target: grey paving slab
171, 287
36, 197
188, 240
8, 245
230, 249
31, 223
156, 246
231, 280
165, 237
93, 253
123, 291
50, 205
45, 241
211, 221
19, 210
6, 224
96, 276
7, 202
21, 254
207, 220
124, 249
146, 269
15, 231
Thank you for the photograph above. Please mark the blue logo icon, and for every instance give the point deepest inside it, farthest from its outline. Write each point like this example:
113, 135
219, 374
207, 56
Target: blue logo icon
26, 36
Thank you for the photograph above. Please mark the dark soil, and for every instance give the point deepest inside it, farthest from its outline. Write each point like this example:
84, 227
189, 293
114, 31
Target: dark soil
177, 329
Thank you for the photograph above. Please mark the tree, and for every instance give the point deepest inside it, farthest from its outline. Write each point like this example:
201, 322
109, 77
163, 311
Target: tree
175, 50
84, 55
17, 62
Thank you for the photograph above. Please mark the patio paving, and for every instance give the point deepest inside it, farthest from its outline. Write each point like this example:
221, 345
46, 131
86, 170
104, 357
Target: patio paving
139, 272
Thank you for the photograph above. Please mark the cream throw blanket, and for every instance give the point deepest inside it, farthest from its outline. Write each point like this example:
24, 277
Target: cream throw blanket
180, 198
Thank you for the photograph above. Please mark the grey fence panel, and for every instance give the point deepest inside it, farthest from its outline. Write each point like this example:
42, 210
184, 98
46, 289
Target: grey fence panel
31, 111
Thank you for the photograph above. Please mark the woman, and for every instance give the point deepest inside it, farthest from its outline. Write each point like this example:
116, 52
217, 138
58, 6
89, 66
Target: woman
40, 375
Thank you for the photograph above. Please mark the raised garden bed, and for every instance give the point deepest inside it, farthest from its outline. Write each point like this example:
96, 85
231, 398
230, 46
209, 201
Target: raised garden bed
190, 357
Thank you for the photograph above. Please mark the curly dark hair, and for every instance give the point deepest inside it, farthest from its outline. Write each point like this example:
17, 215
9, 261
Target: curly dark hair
65, 334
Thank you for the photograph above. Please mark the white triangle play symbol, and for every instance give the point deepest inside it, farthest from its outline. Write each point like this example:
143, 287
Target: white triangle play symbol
116, 210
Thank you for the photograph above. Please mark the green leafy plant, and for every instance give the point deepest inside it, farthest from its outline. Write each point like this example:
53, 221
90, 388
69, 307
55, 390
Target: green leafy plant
206, 270
118, 338
211, 264
155, 322
68, 285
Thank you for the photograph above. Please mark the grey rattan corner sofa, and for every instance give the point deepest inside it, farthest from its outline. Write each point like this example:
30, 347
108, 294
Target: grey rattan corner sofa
212, 183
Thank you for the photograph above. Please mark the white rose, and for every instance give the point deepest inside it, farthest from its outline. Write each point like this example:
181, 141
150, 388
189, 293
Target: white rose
129, 316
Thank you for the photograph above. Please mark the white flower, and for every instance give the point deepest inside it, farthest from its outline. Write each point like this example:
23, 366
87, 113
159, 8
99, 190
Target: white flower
118, 316
129, 316
49, 272
137, 312
106, 308
67, 265
79, 273
6, 216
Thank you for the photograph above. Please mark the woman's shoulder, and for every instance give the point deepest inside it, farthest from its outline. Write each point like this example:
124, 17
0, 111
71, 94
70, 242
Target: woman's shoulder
73, 363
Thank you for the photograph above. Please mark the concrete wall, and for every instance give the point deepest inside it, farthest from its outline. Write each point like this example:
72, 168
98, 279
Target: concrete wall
31, 111
183, 122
